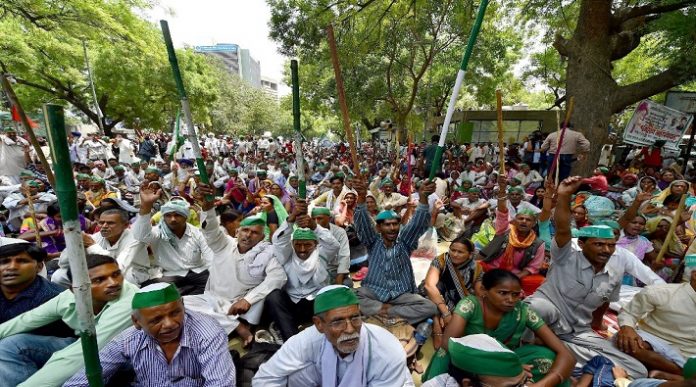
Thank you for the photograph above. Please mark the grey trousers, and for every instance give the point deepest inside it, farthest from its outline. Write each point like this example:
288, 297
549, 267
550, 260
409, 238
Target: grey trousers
586, 345
411, 307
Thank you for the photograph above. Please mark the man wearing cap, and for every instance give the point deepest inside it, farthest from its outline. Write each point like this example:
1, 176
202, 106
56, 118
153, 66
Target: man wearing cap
339, 266
167, 345
116, 240
304, 254
243, 273
179, 248
60, 358
515, 247
658, 324
579, 284
385, 196
338, 350
12, 150
98, 191
18, 202
389, 289
482, 360
515, 200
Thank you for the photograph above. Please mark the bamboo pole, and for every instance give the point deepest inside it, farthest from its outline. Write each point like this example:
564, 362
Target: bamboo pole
299, 158
67, 197
100, 123
457, 85
501, 143
569, 112
672, 228
27, 127
191, 132
342, 97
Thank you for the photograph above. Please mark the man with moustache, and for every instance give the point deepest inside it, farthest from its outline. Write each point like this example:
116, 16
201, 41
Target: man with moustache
338, 350
243, 272
579, 284
167, 345
30, 360
115, 240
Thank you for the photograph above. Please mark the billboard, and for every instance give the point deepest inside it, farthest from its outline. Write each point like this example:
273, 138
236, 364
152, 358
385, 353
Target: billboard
217, 48
684, 101
653, 122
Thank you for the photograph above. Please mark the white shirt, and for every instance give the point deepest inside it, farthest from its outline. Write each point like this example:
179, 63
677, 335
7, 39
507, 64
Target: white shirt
190, 254
298, 361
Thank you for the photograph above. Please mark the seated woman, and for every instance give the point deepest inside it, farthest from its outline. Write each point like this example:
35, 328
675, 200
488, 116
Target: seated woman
451, 277
272, 211
657, 229
499, 313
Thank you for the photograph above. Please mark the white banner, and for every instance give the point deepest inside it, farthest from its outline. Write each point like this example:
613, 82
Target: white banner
653, 122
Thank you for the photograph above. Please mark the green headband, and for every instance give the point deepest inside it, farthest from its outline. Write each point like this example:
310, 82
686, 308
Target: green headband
332, 297
474, 190
119, 168
601, 232
33, 183
152, 170
690, 260
252, 221
387, 215
528, 212
303, 234
515, 190
481, 354
604, 170
316, 211
155, 295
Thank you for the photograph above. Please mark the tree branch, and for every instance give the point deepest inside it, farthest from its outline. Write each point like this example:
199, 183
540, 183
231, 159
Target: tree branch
625, 14
632, 93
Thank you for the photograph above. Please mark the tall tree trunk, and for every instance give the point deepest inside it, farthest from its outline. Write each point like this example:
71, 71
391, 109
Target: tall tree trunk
589, 79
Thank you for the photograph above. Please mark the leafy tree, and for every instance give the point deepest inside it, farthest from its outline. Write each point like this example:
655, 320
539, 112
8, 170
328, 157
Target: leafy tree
387, 49
42, 48
595, 37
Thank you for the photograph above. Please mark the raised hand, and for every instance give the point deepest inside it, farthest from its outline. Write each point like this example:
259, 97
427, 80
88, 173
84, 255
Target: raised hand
150, 193
569, 186
205, 196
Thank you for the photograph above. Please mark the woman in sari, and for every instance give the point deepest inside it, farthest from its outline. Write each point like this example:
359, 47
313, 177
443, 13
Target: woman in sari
279, 192
272, 211
500, 313
344, 214
657, 229
645, 184
451, 277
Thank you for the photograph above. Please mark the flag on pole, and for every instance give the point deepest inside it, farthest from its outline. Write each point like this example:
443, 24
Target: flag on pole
17, 118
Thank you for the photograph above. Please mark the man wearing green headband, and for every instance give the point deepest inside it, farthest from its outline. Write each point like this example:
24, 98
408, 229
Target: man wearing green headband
338, 268
389, 289
12, 154
178, 247
166, 340
338, 350
243, 272
304, 254
515, 199
384, 194
515, 247
21, 361
658, 324
580, 286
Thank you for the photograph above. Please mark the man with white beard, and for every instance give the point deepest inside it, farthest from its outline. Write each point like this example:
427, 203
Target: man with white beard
338, 350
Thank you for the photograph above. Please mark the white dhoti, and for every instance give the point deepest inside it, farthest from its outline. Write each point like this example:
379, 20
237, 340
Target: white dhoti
217, 308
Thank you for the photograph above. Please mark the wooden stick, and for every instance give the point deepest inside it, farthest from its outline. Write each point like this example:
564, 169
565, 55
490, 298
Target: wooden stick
501, 143
342, 97
558, 128
672, 228
27, 127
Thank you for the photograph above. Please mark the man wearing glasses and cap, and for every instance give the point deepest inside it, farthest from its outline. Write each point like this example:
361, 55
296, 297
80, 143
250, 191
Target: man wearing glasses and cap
338, 350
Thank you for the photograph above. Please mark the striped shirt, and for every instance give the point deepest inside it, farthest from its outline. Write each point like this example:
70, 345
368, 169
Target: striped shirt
202, 358
391, 273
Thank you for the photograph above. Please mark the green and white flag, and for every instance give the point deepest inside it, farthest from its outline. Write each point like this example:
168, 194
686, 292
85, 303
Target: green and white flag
177, 138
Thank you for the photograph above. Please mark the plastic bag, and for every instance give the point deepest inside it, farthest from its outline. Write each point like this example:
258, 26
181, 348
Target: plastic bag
427, 245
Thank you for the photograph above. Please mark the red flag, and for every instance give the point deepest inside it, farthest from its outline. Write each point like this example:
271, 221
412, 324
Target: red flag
17, 118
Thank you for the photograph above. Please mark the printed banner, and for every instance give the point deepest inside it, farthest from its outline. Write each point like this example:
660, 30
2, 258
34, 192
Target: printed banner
653, 122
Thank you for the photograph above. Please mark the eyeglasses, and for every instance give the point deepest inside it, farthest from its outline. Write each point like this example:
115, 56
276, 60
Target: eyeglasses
339, 325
